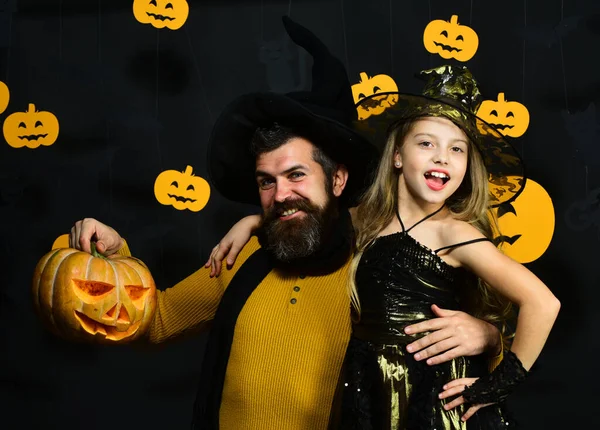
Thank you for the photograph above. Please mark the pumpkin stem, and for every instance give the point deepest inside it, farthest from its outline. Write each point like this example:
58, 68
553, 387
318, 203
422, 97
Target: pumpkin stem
501, 97
95, 252
363, 77
188, 170
31, 108
454, 19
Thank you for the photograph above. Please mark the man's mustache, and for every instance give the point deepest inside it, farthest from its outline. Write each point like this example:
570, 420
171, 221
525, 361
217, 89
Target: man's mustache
279, 208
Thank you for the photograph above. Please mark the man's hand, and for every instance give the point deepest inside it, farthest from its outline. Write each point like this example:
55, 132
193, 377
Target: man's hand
453, 334
86, 230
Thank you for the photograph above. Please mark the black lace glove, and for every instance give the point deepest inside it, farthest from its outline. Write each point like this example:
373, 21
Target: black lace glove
496, 386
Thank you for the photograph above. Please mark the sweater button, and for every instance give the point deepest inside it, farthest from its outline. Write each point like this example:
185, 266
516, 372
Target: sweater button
296, 289
293, 301
302, 276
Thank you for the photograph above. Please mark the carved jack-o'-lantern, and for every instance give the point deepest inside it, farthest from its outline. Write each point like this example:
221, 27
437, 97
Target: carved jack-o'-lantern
161, 13
510, 118
30, 129
88, 297
182, 190
4, 96
369, 86
449, 39
526, 224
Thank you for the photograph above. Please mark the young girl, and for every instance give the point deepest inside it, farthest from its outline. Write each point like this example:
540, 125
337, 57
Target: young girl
423, 237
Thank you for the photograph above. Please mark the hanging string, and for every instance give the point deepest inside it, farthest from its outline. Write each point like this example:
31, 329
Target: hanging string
523, 67
197, 67
157, 86
158, 148
430, 56
524, 42
9, 46
344, 33
60, 29
392, 38
99, 48
471, 15
562, 59
262, 23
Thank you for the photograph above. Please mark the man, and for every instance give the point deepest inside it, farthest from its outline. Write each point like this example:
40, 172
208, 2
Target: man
280, 318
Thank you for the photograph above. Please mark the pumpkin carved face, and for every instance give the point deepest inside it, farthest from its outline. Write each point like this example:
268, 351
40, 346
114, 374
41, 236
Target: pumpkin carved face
182, 190
448, 39
161, 13
369, 86
30, 129
87, 297
510, 118
526, 224
4, 96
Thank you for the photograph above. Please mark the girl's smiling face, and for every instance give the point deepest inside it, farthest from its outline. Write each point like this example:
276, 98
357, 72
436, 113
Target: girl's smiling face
433, 159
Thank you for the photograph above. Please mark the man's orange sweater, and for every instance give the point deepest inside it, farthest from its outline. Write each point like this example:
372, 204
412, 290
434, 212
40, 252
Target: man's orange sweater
288, 345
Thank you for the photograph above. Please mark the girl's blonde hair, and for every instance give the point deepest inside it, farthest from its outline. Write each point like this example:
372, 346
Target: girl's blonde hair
470, 203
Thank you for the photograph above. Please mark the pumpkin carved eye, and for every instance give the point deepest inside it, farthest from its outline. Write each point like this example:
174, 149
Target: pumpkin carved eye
494, 113
39, 124
361, 96
93, 288
444, 33
190, 188
22, 125
153, 2
459, 37
138, 294
376, 89
175, 184
169, 6
510, 114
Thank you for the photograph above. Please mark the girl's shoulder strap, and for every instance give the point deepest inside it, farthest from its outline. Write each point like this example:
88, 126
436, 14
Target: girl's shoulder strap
467, 242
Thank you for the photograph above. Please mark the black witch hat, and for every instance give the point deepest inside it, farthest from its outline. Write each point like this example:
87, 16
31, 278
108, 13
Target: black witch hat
324, 116
452, 92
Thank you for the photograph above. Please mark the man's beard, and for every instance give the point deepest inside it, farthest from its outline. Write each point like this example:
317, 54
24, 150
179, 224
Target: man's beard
298, 237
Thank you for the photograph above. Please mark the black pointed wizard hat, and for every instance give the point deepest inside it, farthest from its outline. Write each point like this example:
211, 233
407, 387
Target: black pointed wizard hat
323, 116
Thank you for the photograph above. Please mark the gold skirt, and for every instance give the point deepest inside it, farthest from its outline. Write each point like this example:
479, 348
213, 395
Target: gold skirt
382, 387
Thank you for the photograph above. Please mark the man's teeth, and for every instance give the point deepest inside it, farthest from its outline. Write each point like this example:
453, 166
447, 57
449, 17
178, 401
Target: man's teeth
289, 212
438, 175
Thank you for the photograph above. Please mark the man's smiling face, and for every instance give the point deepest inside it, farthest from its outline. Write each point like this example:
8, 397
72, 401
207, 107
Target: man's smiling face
297, 200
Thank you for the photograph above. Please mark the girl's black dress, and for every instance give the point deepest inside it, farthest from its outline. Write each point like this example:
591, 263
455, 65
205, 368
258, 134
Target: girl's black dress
382, 387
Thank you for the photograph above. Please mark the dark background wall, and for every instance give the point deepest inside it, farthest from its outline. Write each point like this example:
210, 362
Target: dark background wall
133, 101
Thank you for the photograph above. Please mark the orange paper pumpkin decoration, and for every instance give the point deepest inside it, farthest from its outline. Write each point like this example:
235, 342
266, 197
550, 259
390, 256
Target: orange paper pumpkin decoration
161, 13
448, 39
182, 190
369, 86
510, 118
87, 297
526, 224
61, 241
30, 129
4, 96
